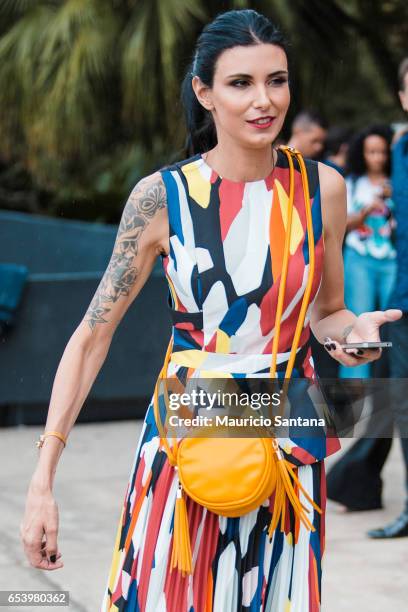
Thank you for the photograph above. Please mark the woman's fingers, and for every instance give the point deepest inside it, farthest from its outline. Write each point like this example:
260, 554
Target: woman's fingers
35, 554
32, 549
44, 550
348, 357
38, 532
48, 565
51, 532
38, 558
379, 317
393, 314
365, 356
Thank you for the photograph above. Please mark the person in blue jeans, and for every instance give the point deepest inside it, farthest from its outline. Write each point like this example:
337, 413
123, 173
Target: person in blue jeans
399, 335
369, 276
355, 479
369, 253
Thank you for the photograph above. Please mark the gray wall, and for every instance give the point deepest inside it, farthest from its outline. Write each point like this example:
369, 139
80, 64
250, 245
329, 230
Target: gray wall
66, 260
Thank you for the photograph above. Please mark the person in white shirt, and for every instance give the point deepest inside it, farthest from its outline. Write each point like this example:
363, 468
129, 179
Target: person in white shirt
369, 252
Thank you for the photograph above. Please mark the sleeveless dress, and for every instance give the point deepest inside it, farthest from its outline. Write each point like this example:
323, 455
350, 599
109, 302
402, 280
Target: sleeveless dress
223, 277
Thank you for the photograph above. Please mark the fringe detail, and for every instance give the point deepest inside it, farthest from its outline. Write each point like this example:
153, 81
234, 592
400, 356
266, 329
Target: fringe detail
181, 556
285, 489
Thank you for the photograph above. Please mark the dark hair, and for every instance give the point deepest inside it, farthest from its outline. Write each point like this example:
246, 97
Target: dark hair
244, 27
402, 71
336, 137
306, 118
356, 164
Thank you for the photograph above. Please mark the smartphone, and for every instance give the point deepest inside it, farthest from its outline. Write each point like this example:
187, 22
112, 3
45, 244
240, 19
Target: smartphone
366, 345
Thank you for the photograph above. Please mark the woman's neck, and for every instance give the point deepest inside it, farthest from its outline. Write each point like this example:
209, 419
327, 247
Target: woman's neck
240, 165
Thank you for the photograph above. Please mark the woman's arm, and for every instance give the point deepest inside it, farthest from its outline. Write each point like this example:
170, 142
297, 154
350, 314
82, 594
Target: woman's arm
140, 238
356, 218
142, 235
330, 317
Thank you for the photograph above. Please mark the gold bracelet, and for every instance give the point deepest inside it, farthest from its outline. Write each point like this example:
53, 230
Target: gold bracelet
42, 437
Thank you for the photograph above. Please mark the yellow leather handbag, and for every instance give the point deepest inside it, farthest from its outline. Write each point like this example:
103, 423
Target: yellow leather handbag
233, 476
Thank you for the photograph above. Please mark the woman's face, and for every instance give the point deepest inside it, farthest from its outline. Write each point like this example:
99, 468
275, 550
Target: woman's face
375, 152
249, 82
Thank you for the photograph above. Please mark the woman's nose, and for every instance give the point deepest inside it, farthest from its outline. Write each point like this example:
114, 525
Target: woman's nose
262, 98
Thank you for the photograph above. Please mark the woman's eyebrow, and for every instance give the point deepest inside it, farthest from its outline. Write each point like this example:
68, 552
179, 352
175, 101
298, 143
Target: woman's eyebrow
248, 76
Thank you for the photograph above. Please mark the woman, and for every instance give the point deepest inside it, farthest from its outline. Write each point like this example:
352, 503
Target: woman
206, 216
369, 254
370, 269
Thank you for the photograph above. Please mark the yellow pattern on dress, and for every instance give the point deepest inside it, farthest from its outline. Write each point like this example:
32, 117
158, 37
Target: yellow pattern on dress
199, 187
297, 229
222, 344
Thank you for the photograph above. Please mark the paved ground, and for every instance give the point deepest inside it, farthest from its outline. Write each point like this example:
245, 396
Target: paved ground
359, 574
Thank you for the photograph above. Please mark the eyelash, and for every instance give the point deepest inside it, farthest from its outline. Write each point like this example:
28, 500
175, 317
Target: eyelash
278, 81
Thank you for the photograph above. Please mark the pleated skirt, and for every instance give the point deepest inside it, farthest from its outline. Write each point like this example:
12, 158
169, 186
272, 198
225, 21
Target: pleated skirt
236, 566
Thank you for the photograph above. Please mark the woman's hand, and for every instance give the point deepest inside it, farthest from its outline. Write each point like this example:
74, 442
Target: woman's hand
376, 206
39, 528
365, 329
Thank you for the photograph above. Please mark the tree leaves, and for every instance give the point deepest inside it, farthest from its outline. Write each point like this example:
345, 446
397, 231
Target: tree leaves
89, 90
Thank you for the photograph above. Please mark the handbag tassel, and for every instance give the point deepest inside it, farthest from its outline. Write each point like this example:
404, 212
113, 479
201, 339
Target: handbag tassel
285, 489
181, 556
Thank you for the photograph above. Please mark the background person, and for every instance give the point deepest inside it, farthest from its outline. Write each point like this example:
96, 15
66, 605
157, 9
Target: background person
370, 269
399, 334
335, 155
308, 134
336, 147
369, 254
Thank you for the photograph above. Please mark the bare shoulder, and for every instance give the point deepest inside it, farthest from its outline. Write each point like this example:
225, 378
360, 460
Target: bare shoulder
146, 211
331, 181
148, 195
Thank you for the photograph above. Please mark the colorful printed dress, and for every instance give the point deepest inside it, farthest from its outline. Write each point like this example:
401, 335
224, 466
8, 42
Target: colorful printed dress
223, 276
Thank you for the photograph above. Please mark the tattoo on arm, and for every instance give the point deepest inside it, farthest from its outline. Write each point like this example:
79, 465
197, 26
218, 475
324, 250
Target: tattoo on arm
145, 200
346, 331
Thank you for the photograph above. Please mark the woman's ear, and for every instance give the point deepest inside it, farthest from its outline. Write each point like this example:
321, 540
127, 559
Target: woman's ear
202, 92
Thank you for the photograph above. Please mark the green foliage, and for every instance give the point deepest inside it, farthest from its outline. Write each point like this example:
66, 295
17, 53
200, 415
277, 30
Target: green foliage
89, 89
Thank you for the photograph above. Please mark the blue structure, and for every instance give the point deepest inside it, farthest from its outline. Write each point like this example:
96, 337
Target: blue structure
65, 261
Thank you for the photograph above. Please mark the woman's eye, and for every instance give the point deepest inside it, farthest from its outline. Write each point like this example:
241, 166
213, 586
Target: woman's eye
278, 81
